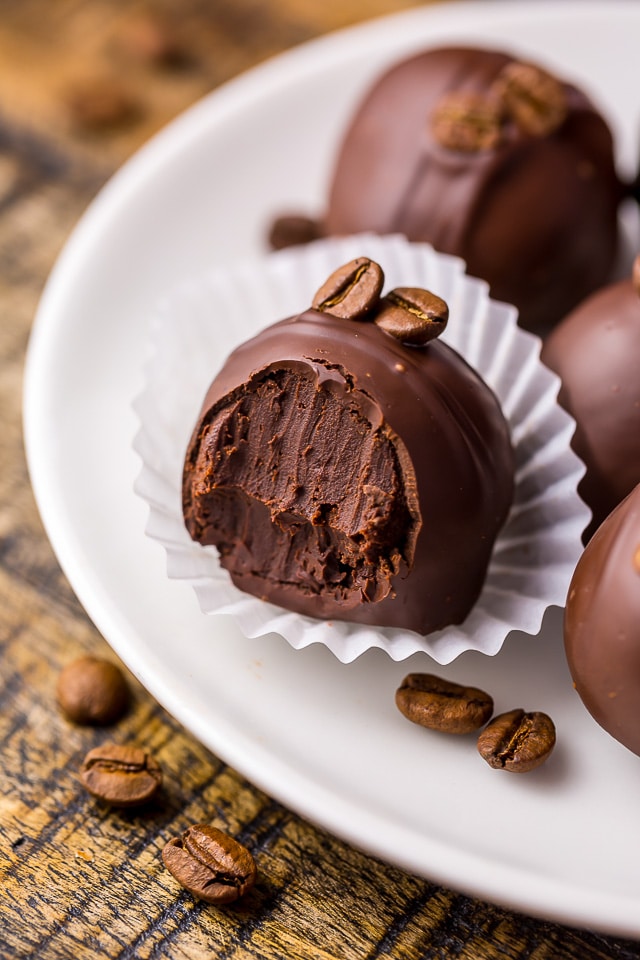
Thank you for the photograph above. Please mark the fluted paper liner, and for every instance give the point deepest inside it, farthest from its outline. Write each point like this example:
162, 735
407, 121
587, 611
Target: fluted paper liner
534, 557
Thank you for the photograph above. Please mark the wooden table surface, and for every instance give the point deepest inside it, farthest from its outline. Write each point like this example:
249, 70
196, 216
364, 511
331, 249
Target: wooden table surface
82, 84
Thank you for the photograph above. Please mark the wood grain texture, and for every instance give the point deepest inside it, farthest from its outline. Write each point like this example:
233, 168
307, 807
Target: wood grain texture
78, 879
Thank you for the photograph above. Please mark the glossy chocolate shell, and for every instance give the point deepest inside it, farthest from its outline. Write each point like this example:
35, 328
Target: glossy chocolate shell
534, 215
596, 353
602, 624
343, 474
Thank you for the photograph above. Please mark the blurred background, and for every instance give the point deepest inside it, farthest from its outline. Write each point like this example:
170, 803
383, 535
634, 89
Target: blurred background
106, 74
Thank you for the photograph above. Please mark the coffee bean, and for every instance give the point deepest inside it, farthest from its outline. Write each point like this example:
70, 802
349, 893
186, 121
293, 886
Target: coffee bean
412, 315
122, 776
100, 104
517, 741
291, 230
442, 704
535, 100
93, 691
352, 291
147, 38
210, 864
467, 122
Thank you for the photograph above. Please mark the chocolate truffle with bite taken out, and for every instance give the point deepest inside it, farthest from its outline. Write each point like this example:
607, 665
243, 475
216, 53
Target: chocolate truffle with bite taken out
347, 464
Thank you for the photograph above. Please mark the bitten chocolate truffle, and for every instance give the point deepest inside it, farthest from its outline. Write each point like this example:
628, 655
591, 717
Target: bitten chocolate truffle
596, 353
347, 464
602, 624
493, 160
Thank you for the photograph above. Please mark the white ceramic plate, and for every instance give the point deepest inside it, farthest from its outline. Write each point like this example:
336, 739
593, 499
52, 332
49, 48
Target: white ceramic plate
323, 737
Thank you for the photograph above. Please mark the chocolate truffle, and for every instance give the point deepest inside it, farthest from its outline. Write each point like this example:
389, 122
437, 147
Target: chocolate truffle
342, 472
493, 160
602, 624
596, 353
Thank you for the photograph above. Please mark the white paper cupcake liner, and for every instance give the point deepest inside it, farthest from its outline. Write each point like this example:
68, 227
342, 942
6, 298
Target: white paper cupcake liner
535, 554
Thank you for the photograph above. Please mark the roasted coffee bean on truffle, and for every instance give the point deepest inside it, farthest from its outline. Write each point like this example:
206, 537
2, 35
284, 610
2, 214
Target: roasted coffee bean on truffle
342, 473
596, 353
602, 624
491, 159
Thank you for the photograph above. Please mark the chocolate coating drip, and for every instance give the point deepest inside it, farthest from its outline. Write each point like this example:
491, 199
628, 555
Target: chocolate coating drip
343, 474
602, 624
596, 353
535, 215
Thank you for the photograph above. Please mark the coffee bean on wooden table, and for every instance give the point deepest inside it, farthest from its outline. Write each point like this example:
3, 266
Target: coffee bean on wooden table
100, 104
123, 776
517, 741
443, 705
93, 691
210, 864
352, 291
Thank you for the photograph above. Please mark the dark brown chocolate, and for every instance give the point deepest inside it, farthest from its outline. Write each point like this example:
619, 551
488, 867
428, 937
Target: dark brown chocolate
596, 353
344, 474
602, 624
491, 160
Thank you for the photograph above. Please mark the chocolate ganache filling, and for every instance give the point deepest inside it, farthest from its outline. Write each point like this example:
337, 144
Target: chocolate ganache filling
342, 473
305, 487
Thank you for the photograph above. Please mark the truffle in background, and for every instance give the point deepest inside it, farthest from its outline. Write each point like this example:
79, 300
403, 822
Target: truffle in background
493, 160
602, 624
596, 353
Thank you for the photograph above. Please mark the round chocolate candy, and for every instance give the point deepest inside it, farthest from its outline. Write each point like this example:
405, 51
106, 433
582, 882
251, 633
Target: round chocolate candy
346, 471
602, 624
493, 160
596, 353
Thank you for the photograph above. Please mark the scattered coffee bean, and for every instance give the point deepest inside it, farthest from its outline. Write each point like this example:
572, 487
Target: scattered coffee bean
536, 101
149, 39
517, 741
122, 776
443, 705
210, 864
352, 291
467, 122
291, 230
100, 104
93, 691
412, 315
